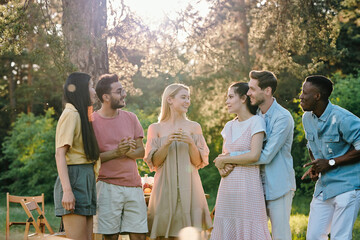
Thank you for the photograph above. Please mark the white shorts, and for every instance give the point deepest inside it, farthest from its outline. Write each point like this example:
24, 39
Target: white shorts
120, 209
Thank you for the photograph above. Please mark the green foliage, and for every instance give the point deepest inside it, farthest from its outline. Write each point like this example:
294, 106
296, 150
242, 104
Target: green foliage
13, 27
32, 58
348, 40
29, 150
347, 92
293, 39
300, 155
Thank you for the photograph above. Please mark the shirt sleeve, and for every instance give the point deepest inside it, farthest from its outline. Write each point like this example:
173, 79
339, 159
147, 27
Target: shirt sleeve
350, 129
138, 131
258, 125
225, 130
203, 150
304, 121
155, 144
65, 129
275, 141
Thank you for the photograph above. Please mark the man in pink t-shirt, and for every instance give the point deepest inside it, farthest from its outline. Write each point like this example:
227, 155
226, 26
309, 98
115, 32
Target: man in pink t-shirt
121, 205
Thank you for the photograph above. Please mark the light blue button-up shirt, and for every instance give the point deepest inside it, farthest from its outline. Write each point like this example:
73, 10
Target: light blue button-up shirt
277, 170
332, 135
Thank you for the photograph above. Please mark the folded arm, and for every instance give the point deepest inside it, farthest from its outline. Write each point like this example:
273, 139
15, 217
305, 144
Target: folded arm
128, 147
247, 158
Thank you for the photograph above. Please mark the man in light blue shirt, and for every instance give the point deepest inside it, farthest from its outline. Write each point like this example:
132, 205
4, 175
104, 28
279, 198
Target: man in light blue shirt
333, 136
277, 163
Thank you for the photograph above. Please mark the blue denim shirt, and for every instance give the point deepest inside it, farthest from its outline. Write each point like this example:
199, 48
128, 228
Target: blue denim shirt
332, 135
277, 170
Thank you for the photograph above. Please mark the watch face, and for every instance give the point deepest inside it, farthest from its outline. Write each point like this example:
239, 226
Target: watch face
331, 162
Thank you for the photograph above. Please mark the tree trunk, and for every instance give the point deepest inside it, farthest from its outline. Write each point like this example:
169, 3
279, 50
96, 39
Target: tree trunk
29, 79
12, 84
241, 8
84, 25
30, 46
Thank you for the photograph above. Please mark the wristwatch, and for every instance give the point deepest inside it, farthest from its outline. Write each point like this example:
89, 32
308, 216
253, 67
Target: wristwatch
332, 162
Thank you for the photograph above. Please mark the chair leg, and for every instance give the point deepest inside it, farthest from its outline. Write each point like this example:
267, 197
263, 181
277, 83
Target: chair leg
43, 222
27, 227
7, 232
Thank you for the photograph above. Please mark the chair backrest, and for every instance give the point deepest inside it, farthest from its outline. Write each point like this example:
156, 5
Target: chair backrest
38, 224
19, 199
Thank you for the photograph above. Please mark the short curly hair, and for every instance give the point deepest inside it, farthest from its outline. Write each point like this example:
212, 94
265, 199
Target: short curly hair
323, 84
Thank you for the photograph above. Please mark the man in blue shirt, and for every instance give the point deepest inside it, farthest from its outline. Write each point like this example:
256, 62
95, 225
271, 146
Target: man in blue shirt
277, 163
333, 136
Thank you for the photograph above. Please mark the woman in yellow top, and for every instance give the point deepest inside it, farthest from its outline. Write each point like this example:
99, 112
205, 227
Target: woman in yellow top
76, 152
176, 149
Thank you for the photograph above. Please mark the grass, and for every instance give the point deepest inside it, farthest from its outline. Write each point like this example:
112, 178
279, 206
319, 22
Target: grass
299, 216
298, 220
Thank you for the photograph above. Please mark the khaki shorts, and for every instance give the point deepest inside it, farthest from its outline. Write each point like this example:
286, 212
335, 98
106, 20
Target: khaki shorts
120, 209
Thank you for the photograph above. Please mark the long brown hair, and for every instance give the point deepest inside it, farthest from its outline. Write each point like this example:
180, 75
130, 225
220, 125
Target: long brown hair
76, 92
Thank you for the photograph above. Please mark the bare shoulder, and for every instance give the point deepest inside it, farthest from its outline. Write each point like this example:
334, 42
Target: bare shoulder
153, 129
195, 127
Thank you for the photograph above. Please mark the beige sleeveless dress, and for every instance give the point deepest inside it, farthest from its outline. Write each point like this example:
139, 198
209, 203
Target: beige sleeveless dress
177, 199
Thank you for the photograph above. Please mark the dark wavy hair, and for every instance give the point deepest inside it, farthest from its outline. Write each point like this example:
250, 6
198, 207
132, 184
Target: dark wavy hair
241, 88
76, 92
265, 79
104, 85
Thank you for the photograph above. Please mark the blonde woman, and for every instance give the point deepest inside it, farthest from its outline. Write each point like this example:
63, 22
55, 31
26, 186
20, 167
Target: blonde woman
176, 149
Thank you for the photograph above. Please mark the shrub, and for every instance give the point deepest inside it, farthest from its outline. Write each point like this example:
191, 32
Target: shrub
29, 151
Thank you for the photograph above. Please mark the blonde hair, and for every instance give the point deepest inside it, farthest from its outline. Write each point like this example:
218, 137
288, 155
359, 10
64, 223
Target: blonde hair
170, 91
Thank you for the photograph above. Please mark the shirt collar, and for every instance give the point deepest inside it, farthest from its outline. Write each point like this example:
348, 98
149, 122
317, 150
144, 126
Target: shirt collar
270, 111
325, 115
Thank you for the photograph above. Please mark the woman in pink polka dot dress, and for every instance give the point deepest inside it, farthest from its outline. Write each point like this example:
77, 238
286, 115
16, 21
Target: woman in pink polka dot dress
240, 204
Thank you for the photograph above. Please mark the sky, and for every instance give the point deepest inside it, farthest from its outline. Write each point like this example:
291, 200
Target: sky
153, 12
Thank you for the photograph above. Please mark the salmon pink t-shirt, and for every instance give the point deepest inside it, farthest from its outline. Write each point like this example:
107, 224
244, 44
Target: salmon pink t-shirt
109, 132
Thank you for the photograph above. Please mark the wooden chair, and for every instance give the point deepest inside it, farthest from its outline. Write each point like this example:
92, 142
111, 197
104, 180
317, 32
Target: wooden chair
29, 204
